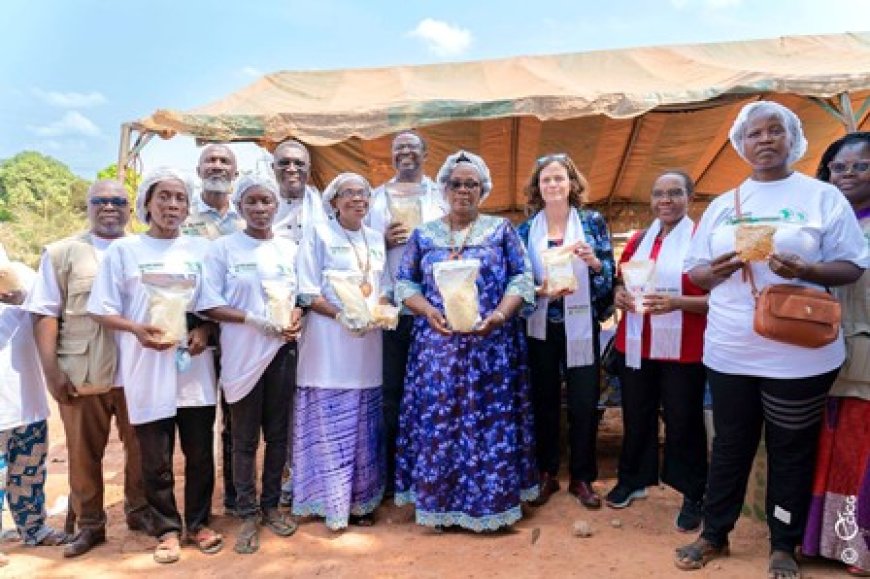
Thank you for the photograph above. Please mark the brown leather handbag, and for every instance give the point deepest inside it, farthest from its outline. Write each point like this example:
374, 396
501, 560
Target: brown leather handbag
793, 314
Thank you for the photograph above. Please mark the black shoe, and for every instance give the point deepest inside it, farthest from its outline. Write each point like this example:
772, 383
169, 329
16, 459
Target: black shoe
622, 495
691, 516
86, 540
548, 485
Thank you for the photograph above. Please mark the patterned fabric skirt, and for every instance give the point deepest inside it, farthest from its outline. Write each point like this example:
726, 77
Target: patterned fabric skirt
338, 453
838, 525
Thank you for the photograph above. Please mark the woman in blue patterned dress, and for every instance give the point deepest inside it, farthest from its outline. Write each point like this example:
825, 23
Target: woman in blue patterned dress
466, 442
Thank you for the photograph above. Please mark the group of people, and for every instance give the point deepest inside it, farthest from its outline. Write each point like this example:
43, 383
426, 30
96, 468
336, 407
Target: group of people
248, 298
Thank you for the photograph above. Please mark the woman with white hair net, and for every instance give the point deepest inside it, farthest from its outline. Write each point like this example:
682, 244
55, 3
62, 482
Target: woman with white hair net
250, 288
338, 456
811, 238
144, 289
466, 440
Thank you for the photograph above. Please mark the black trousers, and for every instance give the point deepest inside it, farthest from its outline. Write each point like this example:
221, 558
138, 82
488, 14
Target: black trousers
678, 389
227, 454
157, 444
395, 361
791, 412
547, 362
264, 408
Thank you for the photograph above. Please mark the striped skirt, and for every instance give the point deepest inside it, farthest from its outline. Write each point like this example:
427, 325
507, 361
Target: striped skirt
338, 453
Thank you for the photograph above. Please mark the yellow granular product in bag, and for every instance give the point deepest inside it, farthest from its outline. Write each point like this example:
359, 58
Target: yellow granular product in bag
456, 284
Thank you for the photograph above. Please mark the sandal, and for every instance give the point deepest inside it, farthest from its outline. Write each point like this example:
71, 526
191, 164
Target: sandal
362, 520
696, 555
783, 566
168, 548
54, 538
279, 523
248, 540
207, 541
856, 571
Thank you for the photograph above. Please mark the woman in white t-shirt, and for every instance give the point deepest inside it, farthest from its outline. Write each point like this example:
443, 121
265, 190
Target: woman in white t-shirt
250, 287
144, 287
756, 381
338, 456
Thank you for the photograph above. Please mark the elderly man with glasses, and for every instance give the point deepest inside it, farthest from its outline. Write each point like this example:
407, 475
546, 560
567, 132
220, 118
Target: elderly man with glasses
80, 361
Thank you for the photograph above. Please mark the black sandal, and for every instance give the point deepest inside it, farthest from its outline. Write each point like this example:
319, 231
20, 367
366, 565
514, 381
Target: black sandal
248, 539
783, 566
362, 520
697, 554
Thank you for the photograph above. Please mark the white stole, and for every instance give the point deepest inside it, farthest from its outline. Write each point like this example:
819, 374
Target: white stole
666, 329
578, 305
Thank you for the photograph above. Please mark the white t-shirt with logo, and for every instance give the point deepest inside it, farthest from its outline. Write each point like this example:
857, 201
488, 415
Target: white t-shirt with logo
154, 387
813, 220
236, 265
22, 383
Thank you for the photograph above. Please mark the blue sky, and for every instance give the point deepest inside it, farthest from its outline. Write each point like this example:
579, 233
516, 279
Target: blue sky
72, 71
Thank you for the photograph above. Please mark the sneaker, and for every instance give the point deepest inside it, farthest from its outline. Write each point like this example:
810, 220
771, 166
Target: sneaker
690, 517
622, 495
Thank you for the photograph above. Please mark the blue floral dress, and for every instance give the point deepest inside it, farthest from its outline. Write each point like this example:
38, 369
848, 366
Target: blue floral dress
466, 431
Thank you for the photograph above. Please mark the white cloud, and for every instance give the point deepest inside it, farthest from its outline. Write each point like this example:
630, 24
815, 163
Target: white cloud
442, 38
716, 4
72, 123
252, 71
69, 100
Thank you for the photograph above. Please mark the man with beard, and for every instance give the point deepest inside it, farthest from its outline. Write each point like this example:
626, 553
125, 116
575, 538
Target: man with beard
212, 215
408, 155
80, 362
299, 207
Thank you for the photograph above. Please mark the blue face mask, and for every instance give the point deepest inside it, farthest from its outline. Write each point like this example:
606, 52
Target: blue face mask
182, 360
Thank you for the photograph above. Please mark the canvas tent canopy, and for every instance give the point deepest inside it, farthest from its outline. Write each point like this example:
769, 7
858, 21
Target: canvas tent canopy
622, 115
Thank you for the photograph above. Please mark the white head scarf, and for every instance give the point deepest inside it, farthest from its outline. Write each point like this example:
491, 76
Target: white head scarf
335, 186
475, 161
157, 175
247, 182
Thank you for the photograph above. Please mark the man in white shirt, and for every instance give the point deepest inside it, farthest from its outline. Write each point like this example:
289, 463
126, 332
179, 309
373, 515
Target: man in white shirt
409, 155
213, 215
77, 354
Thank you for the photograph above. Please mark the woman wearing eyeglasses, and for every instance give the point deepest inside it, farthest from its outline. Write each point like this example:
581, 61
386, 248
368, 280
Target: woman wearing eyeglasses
338, 456
811, 238
662, 349
563, 330
465, 441
839, 519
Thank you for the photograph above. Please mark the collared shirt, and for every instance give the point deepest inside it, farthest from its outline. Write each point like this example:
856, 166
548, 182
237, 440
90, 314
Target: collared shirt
206, 221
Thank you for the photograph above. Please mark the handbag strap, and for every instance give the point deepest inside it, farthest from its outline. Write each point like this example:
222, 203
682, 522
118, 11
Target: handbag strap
747, 268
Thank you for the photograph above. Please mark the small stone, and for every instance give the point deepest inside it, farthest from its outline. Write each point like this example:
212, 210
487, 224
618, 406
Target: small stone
582, 528
616, 523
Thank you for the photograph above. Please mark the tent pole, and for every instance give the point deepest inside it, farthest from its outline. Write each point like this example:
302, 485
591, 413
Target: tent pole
123, 148
849, 116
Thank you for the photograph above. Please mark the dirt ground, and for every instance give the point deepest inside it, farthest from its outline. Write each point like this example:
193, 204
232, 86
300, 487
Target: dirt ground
634, 542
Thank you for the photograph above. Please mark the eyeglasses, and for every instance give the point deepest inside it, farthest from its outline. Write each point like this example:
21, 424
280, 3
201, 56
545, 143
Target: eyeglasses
409, 146
856, 167
468, 184
354, 193
113, 201
547, 159
299, 163
670, 194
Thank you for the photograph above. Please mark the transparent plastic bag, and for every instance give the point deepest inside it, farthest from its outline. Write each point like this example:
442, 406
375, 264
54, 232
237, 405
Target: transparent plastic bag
456, 284
386, 316
559, 269
10, 281
637, 274
406, 204
168, 298
353, 304
280, 301
754, 242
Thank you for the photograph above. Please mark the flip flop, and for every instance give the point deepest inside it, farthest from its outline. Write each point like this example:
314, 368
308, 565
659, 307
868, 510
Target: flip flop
168, 549
207, 541
696, 555
783, 566
279, 523
248, 540
54, 538
855, 571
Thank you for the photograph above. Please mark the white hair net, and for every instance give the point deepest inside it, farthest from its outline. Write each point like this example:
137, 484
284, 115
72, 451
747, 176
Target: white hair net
247, 182
791, 122
156, 176
472, 159
336, 184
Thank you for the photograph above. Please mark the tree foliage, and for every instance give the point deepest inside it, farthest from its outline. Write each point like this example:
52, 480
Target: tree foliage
131, 177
